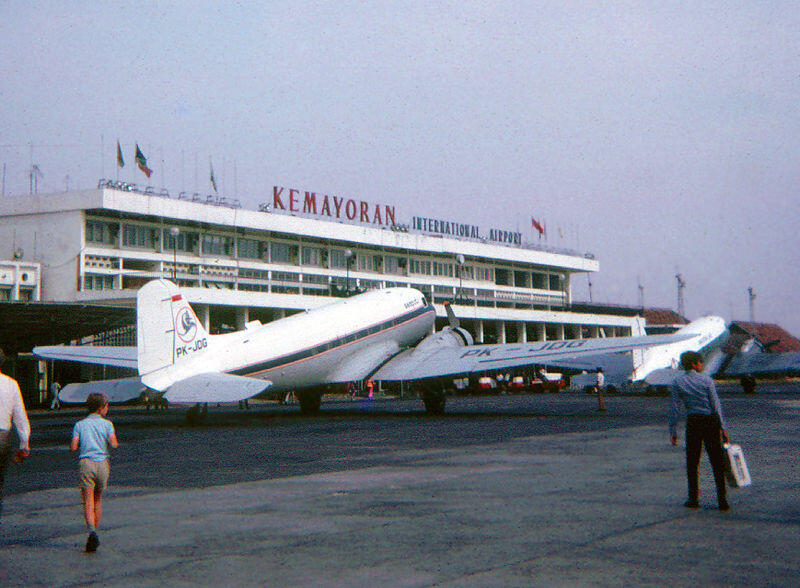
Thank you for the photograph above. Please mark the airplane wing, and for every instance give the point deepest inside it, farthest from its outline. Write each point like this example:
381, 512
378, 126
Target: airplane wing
116, 356
120, 390
757, 364
215, 387
444, 361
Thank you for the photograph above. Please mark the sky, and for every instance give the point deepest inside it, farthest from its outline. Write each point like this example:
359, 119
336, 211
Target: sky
662, 137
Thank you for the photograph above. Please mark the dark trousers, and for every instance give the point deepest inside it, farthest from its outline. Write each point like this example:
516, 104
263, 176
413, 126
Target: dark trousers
704, 429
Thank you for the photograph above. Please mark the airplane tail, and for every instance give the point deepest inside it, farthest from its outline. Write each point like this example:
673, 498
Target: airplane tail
168, 330
171, 345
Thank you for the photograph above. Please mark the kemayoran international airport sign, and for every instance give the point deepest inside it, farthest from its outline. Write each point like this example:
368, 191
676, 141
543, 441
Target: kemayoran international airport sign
293, 200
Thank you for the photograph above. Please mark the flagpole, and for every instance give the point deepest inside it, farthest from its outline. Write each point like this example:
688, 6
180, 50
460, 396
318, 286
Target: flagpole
102, 156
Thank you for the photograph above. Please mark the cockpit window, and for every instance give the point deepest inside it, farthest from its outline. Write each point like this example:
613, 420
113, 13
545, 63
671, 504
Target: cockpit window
424, 302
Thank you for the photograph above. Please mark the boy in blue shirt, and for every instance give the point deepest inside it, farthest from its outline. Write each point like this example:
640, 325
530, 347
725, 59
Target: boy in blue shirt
91, 437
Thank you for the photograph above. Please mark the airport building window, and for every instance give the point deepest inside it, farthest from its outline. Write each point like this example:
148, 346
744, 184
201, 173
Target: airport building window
314, 256
369, 284
484, 274
442, 269
540, 281
186, 241
466, 272
5, 294
522, 279
139, 237
217, 245
369, 263
338, 260
502, 277
286, 289
420, 266
285, 277
252, 249
94, 282
254, 274
394, 265
315, 279
254, 287
100, 232
283, 253
556, 282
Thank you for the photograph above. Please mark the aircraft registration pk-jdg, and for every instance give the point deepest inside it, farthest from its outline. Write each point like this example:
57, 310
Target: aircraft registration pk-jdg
383, 335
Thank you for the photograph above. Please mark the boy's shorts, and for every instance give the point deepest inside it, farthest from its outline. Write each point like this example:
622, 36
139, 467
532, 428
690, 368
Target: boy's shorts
93, 474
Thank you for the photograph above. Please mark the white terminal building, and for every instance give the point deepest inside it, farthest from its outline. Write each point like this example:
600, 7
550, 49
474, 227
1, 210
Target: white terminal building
299, 251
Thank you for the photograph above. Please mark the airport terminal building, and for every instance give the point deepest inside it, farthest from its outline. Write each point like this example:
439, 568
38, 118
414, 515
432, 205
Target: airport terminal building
301, 249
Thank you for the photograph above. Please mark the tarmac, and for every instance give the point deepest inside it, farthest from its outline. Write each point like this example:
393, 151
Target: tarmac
561, 496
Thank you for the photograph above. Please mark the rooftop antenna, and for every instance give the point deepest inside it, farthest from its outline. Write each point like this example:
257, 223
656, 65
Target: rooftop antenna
752, 302
33, 178
641, 291
681, 286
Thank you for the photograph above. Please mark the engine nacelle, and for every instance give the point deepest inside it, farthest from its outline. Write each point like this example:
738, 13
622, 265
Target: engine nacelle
447, 337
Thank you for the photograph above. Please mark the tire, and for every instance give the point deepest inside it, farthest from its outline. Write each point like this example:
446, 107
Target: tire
434, 399
309, 401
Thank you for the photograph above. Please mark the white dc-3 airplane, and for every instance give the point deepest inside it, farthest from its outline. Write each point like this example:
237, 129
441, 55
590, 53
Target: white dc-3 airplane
383, 335
657, 365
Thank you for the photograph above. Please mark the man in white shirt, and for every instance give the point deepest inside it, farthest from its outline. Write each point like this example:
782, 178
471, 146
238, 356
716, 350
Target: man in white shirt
12, 412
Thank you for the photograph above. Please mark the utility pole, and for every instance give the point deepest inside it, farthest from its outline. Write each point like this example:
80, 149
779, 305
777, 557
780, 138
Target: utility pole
751, 295
681, 286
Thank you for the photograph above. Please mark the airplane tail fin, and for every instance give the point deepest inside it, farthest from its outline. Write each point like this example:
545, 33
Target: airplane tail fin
168, 330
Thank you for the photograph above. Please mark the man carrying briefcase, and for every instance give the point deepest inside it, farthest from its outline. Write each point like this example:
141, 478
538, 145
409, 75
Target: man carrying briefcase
704, 424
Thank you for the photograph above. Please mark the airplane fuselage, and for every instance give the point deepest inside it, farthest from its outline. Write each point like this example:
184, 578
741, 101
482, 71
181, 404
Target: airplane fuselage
313, 347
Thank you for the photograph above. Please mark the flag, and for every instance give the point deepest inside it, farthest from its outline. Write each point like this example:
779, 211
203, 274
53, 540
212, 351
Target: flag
120, 161
536, 225
141, 161
213, 179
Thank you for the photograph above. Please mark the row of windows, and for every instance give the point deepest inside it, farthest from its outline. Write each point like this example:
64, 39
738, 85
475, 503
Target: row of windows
143, 237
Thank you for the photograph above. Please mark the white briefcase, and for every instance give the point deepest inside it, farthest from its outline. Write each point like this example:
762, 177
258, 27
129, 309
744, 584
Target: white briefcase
736, 467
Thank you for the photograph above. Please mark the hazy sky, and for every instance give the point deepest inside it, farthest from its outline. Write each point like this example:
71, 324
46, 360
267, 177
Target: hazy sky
660, 136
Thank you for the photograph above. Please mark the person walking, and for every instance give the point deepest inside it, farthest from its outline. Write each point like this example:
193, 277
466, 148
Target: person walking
704, 426
12, 413
55, 388
91, 437
601, 381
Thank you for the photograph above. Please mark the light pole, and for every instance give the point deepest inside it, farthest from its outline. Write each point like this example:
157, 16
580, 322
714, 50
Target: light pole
347, 256
174, 233
460, 260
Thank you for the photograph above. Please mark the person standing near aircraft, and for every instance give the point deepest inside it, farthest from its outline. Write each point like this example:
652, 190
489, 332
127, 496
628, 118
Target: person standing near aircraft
704, 423
601, 381
92, 437
12, 412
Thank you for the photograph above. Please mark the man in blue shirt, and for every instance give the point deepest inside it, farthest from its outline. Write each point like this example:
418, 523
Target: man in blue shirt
91, 437
704, 423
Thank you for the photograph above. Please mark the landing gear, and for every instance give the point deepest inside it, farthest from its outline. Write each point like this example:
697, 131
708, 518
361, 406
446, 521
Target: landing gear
309, 401
197, 414
433, 397
748, 383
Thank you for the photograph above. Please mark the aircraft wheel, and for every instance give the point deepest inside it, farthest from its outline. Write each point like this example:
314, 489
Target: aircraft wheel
434, 399
194, 416
309, 401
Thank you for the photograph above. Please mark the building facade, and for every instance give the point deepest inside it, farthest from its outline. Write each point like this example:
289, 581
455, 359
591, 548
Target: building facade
238, 265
